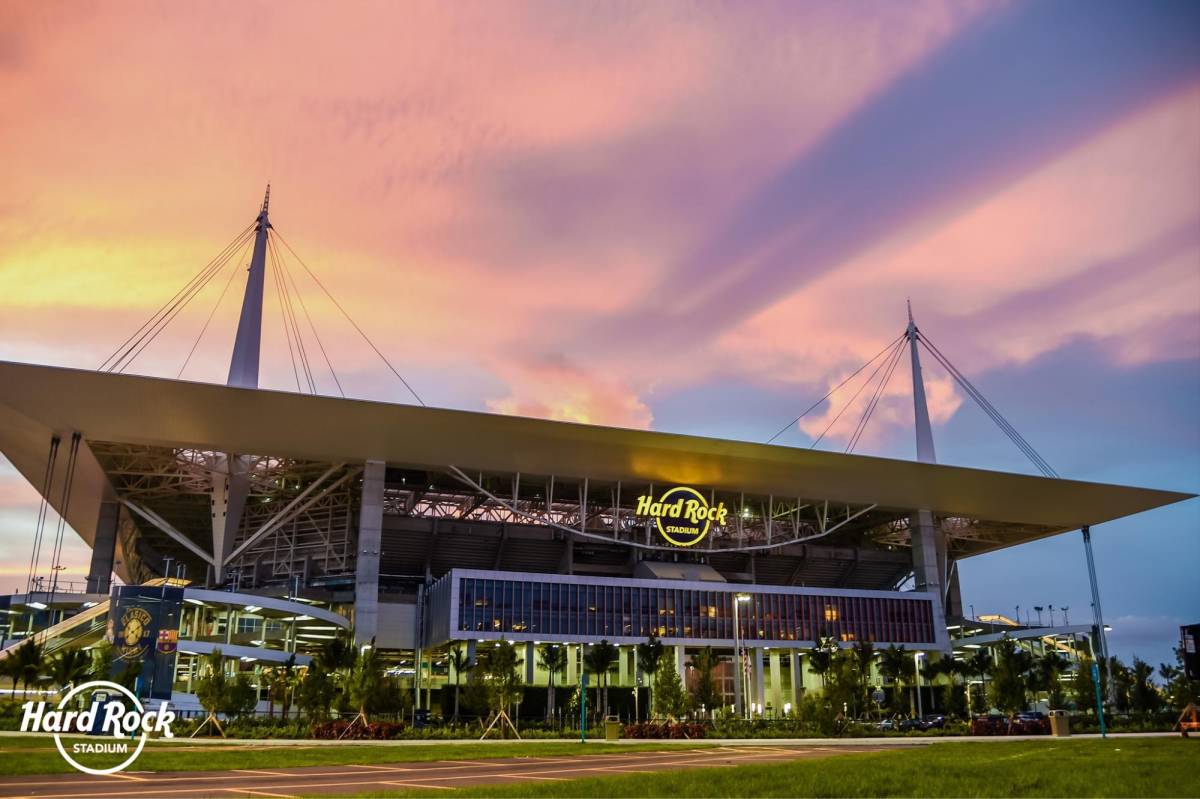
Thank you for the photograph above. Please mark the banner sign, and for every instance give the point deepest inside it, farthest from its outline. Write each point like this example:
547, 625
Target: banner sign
1189, 641
143, 626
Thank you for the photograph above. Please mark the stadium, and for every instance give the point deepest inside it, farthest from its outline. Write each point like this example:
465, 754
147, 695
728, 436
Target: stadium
265, 523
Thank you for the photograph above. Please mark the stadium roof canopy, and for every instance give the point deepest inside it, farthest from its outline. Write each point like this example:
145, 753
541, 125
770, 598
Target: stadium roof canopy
150, 416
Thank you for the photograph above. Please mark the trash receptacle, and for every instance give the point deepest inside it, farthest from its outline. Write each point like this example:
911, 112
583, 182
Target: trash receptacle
1060, 723
612, 729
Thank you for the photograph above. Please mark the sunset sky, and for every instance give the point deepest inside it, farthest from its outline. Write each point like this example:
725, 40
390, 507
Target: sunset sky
690, 217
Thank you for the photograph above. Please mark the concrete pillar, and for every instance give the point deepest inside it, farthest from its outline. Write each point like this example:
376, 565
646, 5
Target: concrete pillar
679, 665
622, 665
776, 686
104, 548
572, 664
795, 666
759, 692
530, 659
370, 531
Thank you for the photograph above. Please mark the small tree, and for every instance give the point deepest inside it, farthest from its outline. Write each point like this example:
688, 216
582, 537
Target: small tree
599, 660
315, 693
497, 669
649, 656
552, 658
241, 697
1122, 683
670, 700
1180, 691
706, 697
461, 663
1144, 697
1008, 677
1083, 686
366, 678
213, 690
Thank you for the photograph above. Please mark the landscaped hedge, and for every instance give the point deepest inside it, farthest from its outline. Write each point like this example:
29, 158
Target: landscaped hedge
344, 730
651, 729
1000, 725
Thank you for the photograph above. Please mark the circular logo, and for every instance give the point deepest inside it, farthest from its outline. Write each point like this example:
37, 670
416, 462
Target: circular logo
685, 519
135, 623
109, 687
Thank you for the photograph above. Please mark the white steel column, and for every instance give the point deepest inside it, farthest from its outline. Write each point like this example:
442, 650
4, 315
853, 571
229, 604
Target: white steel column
759, 688
776, 686
796, 666
366, 572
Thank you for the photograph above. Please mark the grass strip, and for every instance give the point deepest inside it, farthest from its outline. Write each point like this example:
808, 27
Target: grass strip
1164, 767
38, 755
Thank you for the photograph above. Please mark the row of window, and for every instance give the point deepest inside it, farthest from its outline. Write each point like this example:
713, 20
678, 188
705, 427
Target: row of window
568, 609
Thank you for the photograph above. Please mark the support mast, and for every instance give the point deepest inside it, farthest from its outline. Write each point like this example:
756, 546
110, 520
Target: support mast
243, 367
229, 474
929, 543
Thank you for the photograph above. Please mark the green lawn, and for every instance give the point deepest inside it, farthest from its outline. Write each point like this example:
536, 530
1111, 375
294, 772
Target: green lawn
1050, 768
36, 755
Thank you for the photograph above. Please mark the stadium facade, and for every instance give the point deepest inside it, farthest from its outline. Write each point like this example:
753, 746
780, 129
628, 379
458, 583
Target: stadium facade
263, 523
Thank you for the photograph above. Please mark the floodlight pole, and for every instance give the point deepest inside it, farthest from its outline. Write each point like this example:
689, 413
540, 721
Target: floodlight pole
737, 661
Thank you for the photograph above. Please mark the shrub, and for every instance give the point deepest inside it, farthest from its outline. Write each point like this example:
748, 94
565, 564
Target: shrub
650, 729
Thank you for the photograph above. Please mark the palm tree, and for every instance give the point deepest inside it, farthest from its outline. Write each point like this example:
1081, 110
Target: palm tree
461, 662
552, 658
820, 657
599, 660
29, 656
213, 691
69, 667
10, 667
649, 656
366, 678
895, 664
280, 685
980, 665
864, 656
1046, 673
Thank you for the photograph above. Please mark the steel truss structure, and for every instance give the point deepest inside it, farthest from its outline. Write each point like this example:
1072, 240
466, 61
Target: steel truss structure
299, 517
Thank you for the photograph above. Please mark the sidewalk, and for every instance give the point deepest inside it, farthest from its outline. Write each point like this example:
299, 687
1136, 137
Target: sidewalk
899, 741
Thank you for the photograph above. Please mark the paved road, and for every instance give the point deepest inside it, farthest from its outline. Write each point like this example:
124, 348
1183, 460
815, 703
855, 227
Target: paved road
382, 778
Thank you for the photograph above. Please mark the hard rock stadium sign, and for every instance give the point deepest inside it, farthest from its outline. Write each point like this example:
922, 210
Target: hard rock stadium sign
682, 514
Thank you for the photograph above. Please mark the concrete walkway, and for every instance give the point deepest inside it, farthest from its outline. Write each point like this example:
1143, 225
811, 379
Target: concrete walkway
898, 740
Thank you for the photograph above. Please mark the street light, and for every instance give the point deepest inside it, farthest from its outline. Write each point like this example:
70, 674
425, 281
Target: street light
739, 687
